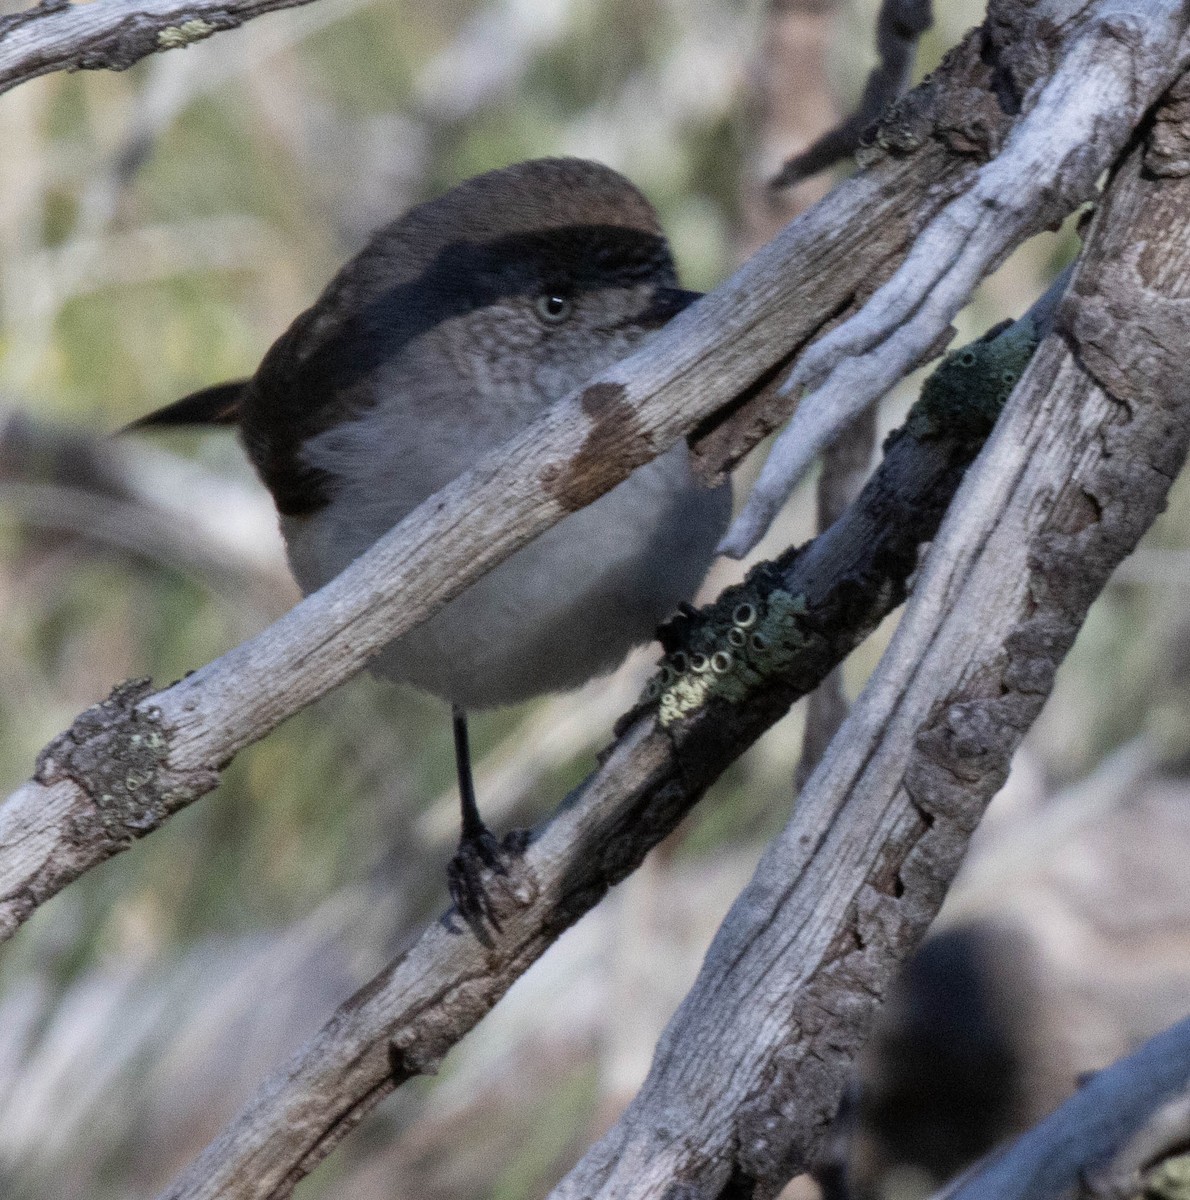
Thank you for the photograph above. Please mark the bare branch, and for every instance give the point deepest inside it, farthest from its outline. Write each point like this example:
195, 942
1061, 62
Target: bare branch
56, 35
403, 1022
749, 1073
1115, 63
844, 465
1098, 1143
730, 344
126, 767
899, 27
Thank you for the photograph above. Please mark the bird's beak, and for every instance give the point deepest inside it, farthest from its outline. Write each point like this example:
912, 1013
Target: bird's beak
666, 303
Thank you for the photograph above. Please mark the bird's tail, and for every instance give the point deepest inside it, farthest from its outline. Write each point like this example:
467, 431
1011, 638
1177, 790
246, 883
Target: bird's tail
217, 405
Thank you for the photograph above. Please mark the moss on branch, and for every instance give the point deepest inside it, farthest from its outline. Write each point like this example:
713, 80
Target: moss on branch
790, 622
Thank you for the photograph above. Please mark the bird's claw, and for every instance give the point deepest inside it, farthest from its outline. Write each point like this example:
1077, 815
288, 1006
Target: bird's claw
481, 859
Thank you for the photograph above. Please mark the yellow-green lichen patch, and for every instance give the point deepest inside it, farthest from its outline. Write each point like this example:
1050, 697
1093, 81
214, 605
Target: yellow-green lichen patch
728, 649
174, 36
758, 631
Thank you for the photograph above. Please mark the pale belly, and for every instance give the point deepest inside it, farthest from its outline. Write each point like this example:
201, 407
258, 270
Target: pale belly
563, 609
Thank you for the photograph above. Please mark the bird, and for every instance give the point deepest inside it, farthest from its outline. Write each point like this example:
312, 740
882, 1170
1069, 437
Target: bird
453, 328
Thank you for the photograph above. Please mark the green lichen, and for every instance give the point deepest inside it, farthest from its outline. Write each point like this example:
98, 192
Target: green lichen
965, 395
174, 36
725, 651
758, 630
1169, 1181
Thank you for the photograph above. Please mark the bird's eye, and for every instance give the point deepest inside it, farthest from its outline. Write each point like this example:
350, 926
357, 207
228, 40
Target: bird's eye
552, 308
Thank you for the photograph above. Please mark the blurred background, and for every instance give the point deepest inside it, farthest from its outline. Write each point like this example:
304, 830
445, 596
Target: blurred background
158, 229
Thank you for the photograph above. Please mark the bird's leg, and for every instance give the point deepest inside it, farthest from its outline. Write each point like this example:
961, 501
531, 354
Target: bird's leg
473, 827
479, 852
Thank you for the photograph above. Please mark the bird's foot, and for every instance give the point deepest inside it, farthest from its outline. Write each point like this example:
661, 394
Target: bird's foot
481, 878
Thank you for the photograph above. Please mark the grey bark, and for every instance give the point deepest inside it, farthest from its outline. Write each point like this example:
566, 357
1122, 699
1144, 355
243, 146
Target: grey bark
707, 376
405, 1019
1074, 475
56, 35
1116, 57
1102, 1141
749, 1073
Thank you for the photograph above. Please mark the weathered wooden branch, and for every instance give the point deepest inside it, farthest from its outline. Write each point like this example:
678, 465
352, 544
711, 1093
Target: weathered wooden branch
1103, 1140
763, 644
56, 35
748, 1075
720, 357
1083, 75
121, 770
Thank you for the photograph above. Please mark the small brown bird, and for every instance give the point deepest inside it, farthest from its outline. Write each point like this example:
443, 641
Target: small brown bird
456, 326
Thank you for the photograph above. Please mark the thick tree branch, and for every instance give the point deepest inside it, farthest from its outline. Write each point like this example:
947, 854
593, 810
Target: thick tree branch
804, 613
1101, 1141
123, 769
728, 346
749, 1073
1116, 59
57, 35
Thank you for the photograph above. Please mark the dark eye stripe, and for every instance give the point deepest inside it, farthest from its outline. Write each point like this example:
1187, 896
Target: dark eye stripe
309, 382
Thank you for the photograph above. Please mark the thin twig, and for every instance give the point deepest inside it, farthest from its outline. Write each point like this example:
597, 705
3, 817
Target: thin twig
899, 27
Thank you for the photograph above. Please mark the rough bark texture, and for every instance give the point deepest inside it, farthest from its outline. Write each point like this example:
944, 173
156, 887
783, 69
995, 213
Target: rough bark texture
402, 1023
730, 345
1082, 76
749, 1073
57, 35
952, 130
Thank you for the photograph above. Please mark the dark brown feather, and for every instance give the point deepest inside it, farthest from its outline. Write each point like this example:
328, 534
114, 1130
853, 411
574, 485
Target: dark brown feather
217, 405
518, 231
